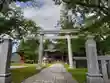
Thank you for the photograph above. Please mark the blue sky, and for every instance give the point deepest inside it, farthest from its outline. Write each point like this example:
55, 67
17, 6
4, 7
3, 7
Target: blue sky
15, 45
38, 3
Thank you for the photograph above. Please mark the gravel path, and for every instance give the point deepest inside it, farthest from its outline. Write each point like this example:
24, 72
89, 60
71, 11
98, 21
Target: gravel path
54, 74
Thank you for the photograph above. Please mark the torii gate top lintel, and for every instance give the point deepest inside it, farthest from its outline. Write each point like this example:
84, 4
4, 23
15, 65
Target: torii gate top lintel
66, 31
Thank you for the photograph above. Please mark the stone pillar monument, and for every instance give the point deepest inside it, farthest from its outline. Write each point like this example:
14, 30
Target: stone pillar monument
69, 51
104, 70
109, 4
93, 75
5, 59
40, 49
109, 68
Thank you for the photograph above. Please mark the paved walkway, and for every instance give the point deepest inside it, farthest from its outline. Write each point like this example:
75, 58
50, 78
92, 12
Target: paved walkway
54, 74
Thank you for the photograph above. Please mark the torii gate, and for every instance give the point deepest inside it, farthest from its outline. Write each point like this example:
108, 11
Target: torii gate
67, 35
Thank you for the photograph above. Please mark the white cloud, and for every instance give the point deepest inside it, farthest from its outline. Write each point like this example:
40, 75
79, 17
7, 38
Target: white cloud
46, 16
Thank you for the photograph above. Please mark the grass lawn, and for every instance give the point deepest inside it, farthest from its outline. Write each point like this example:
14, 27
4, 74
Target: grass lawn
78, 74
48, 65
18, 75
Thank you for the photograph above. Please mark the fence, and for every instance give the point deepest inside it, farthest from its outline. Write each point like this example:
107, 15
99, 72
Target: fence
104, 66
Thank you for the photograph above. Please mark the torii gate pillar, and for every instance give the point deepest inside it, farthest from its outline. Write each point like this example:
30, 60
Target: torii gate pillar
40, 50
69, 51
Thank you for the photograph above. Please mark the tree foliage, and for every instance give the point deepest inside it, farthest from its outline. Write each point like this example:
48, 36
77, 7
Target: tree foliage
96, 20
14, 24
61, 46
46, 43
30, 49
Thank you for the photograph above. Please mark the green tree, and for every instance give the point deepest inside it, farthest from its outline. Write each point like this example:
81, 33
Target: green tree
61, 46
14, 24
46, 43
96, 20
30, 49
